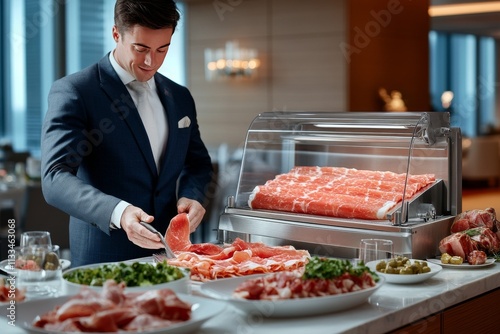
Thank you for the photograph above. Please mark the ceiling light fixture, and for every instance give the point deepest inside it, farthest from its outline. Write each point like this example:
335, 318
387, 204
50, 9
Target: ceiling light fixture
464, 8
231, 61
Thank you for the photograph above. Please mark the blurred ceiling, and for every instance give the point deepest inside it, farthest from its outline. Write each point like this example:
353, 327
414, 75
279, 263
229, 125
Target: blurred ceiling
483, 24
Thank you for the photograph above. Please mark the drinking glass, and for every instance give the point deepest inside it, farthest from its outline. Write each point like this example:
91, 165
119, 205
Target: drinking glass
375, 249
36, 238
38, 270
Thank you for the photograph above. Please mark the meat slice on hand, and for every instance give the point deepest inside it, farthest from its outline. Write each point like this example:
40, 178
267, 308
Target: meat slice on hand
177, 237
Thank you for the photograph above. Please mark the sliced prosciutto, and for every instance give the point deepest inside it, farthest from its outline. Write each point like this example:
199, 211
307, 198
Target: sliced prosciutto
337, 192
465, 242
481, 228
287, 285
113, 310
457, 244
177, 238
208, 261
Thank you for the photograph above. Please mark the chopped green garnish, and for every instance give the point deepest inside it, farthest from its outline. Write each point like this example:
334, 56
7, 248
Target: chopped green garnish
132, 274
472, 232
324, 268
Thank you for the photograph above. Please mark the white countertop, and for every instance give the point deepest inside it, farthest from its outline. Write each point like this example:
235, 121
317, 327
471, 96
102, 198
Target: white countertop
390, 307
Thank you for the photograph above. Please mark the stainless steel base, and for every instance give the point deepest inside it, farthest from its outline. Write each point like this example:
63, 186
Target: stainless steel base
332, 236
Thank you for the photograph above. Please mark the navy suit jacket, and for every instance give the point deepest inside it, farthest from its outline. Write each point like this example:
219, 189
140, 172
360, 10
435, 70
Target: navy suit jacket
96, 152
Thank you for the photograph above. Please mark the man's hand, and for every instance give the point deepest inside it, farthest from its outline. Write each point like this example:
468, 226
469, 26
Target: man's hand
137, 233
194, 210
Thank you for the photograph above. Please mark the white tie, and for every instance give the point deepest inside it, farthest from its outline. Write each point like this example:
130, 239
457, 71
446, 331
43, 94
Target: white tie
147, 116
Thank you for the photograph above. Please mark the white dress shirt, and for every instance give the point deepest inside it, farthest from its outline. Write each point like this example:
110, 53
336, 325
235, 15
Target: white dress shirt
160, 120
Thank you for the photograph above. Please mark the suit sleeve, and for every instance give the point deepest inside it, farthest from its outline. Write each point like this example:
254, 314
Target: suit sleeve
63, 147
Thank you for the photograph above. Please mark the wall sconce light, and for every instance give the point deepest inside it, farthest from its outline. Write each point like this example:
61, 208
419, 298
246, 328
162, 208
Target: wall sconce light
230, 62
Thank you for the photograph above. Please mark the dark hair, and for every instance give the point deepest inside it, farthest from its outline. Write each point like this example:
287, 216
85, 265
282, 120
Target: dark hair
153, 14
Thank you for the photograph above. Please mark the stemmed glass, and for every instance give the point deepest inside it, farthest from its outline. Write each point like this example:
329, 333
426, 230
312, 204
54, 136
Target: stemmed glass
36, 239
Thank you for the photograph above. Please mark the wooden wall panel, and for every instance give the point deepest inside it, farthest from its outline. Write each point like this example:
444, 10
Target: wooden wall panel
388, 47
308, 81
476, 316
304, 63
234, 19
299, 17
301, 65
308, 70
226, 107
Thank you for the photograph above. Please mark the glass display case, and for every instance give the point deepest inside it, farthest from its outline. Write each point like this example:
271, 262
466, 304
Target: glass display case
402, 145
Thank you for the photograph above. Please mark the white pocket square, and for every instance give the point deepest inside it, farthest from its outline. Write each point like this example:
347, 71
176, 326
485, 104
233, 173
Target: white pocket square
184, 122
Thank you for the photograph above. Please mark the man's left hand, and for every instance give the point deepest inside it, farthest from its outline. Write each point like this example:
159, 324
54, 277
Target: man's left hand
194, 210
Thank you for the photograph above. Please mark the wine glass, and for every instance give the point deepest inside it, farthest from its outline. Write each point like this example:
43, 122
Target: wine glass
36, 239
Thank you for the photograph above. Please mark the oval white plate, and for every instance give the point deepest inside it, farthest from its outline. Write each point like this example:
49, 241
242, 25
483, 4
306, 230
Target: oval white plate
203, 309
223, 289
181, 285
465, 265
406, 279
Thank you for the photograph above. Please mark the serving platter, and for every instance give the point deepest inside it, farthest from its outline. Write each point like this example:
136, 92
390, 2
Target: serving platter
65, 264
203, 309
406, 279
223, 290
464, 265
181, 285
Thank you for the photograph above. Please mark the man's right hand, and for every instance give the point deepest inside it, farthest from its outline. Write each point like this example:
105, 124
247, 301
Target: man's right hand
137, 233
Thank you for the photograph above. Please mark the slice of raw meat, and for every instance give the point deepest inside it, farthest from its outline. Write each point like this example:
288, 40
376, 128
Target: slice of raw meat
177, 237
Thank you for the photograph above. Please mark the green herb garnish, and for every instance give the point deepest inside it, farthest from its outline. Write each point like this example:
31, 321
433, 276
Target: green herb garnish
134, 274
324, 268
472, 232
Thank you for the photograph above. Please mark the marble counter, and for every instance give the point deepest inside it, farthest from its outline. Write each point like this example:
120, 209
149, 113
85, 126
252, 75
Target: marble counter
390, 307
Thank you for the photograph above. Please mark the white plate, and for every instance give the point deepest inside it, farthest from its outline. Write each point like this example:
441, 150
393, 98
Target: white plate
203, 309
65, 264
181, 285
406, 279
464, 265
223, 289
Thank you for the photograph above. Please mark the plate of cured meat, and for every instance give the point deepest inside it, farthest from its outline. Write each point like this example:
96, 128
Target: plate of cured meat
289, 294
208, 261
114, 310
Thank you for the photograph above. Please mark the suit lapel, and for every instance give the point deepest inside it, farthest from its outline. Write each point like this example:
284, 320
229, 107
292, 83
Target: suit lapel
123, 105
167, 100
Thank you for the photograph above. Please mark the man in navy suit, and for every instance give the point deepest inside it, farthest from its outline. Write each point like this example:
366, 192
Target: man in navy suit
108, 165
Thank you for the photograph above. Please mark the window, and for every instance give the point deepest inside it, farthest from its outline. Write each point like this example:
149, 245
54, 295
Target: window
465, 65
43, 40
3, 101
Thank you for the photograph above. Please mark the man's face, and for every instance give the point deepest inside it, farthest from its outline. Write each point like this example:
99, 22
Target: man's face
141, 51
